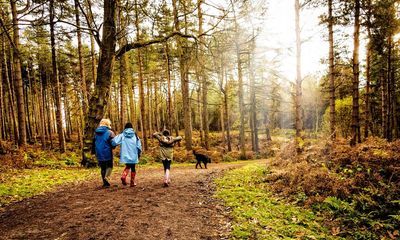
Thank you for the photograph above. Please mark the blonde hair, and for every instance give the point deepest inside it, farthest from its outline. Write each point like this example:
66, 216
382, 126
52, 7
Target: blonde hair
105, 122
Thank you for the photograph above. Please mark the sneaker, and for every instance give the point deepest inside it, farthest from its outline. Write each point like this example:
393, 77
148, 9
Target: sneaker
106, 184
166, 184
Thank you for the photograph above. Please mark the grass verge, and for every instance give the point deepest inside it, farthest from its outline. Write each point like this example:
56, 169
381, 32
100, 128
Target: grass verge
257, 214
19, 184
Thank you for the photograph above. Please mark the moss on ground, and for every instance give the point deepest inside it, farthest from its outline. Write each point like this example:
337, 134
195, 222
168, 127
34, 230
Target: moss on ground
257, 214
20, 184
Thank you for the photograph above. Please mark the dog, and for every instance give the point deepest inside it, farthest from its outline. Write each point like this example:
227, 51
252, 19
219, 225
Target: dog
201, 158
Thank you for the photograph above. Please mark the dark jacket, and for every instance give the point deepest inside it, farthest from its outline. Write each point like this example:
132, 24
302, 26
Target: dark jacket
102, 143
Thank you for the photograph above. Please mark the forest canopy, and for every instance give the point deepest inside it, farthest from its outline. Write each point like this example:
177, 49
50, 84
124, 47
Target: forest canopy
195, 66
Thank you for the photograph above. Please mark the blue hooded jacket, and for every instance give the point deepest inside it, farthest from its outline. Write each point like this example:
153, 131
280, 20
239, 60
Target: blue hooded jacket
130, 146
102, 143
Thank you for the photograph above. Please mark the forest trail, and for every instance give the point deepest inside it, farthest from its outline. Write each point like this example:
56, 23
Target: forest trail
185, 210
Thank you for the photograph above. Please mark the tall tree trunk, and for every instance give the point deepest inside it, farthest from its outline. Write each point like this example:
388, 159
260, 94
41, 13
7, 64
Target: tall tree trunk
80, 58
200, 113
253, 111
11, 95
203, 76
355, 119
242, 140
169, 98
122, 86
222, 123
391, 90
100, 96
122, 70
176, 115
18, 77
183, 58
55, 80
331, 74
298, 95
149, 116
131, 90
227, 113
29, 124
48, 110
241, 104
41, 111
143, 117
156, 107
367, 88
92, 49
2, 116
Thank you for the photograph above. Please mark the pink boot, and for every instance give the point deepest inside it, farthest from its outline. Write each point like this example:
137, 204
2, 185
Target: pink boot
133, 175
166, 179
124, 174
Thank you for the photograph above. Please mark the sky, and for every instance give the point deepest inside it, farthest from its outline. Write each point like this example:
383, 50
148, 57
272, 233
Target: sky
279, 32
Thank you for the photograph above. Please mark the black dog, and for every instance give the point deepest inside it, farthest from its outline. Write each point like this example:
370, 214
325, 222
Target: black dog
201, 158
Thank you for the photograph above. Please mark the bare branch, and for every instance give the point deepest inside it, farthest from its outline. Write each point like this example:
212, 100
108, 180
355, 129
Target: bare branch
8, 36
27, 6
141, 44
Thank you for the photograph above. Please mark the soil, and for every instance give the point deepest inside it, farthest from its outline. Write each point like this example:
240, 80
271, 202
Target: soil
184, 210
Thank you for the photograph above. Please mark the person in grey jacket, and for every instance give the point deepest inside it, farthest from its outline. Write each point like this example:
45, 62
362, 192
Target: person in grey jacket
166, 154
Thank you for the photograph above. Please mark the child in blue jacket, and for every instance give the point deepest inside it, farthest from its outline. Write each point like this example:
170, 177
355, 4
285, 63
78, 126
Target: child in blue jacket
129, 153
103, 149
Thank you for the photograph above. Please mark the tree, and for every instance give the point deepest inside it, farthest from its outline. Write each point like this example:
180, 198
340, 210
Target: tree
298, 94
183, 69
355, 122
203, 77
331, 72
17, 72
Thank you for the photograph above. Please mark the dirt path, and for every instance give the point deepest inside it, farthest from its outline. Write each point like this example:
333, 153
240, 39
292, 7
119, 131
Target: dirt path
185, 210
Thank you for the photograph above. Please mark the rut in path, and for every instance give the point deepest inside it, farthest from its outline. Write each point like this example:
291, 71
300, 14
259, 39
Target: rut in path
185, 210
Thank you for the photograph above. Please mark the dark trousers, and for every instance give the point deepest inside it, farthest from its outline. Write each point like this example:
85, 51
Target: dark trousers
131, 166
104, 165
167, 164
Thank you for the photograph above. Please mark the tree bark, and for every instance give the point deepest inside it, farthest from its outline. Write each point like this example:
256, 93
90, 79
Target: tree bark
55, 80
367, 88
203, 77
11, 94
169, 98
80, 58
2, 116
298, 95
355, 120
100, 96
143, 117
41, 111
183, 58
131, 90
253, 111
19, 88
332, 97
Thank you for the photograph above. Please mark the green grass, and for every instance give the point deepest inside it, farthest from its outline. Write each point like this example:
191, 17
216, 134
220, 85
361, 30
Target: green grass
19, 184
257, 214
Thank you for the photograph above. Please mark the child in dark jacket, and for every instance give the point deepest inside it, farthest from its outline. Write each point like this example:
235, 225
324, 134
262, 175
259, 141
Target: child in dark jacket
129, 153
103, 149
167, 143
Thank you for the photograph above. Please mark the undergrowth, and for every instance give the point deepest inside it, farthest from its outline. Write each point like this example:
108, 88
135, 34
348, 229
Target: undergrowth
358, 188
258, 214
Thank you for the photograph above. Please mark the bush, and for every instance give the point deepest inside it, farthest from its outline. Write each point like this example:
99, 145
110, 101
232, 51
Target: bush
343, 109
358, 186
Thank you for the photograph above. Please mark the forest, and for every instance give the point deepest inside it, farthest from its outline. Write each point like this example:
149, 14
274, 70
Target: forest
296, 103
